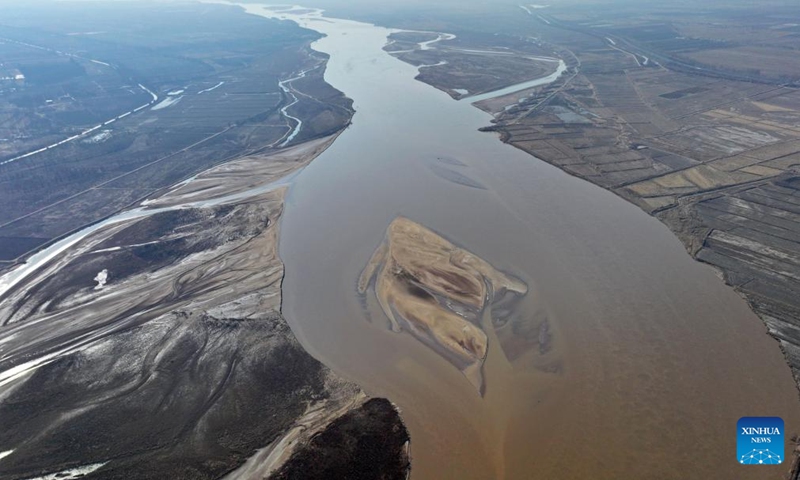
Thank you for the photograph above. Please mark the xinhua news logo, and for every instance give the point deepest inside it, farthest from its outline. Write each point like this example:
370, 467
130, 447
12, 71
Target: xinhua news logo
759, 440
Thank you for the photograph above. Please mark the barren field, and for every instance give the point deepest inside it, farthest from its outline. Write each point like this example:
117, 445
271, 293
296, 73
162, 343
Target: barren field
768, 60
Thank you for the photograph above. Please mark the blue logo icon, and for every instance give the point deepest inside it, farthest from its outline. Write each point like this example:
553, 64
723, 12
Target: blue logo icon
759, 440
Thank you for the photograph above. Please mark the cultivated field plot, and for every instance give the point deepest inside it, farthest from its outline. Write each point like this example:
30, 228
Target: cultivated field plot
749, 137
654, 135
767, 61
753, 236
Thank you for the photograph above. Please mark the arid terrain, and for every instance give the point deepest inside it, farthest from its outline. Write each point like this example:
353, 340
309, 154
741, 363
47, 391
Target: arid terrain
154, 347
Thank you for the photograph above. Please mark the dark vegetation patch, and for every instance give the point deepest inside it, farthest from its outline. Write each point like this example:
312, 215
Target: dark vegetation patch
52, 72
365, 444
12, 247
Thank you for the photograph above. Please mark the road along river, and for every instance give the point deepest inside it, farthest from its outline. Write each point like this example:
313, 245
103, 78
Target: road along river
646, 360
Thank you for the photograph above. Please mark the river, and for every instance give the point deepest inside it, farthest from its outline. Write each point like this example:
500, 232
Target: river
654, 358
562, 67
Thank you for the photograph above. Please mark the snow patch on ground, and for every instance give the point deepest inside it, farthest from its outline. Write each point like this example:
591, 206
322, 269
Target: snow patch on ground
99, 138
212, 88
167, 102
71, 474
101, 279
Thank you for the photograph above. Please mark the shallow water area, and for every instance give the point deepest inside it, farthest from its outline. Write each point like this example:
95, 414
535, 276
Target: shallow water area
652, 357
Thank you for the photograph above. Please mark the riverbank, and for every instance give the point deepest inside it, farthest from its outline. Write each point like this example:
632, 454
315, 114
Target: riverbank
152, 345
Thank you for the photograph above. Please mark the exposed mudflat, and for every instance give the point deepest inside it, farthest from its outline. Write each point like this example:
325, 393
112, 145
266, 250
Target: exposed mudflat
439, 293
154, 347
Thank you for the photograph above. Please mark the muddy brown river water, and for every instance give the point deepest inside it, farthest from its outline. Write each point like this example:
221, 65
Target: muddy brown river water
652, 359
